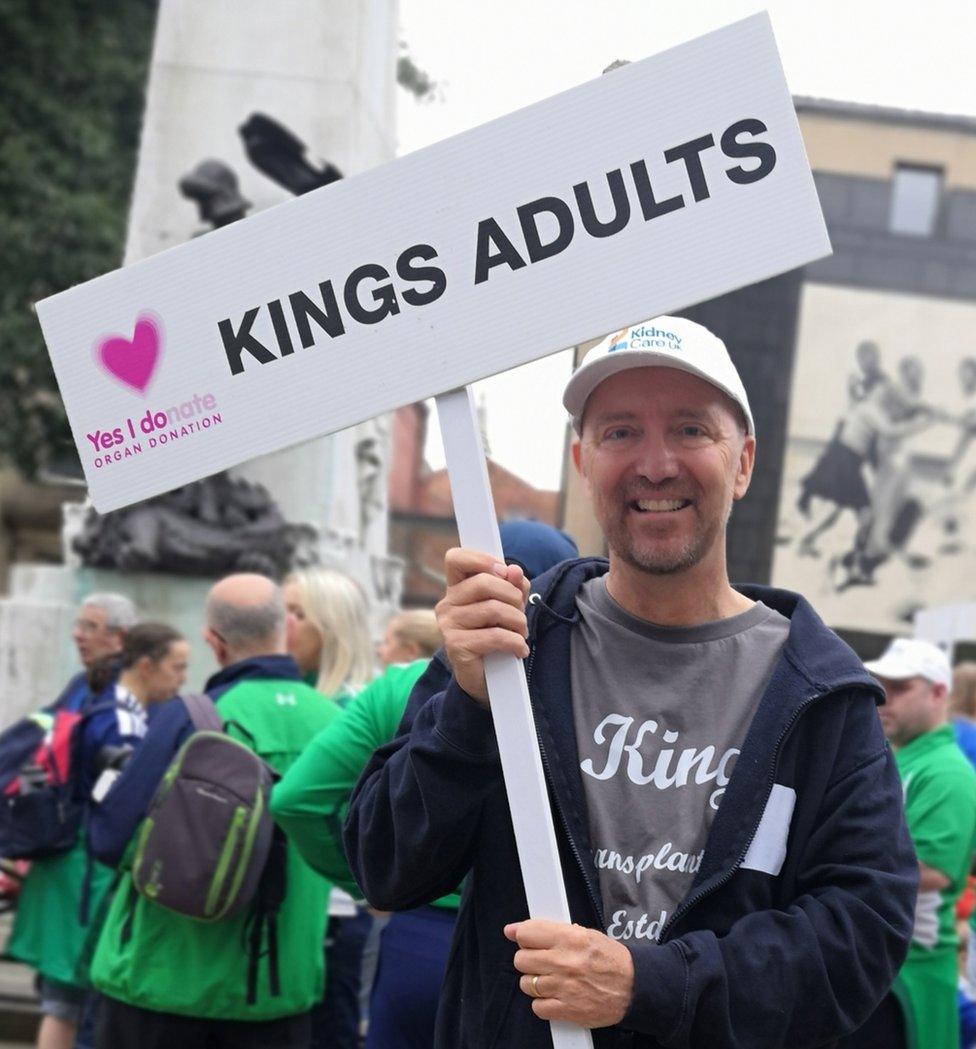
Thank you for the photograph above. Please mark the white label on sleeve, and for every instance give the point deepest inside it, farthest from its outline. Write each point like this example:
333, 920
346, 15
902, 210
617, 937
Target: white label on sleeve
768, 848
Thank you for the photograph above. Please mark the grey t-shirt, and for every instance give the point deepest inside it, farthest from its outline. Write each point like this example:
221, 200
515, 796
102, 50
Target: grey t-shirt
660, 714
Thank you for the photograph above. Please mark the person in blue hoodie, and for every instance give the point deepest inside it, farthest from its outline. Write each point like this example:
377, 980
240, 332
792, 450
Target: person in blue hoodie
730, 823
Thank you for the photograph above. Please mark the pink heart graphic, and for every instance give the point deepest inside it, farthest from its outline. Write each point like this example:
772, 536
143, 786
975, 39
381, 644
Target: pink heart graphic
133, 362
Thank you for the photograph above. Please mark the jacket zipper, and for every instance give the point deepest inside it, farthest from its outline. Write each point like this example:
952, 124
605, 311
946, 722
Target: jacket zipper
547, 769
695, 898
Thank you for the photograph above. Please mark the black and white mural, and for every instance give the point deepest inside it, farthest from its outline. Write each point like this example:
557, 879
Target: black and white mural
877, 517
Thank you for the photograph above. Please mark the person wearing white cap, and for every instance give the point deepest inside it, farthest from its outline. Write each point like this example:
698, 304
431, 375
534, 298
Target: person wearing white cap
940, 806
729, 815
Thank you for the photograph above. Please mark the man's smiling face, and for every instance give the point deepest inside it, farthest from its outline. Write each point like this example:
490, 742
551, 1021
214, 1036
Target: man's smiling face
663, 454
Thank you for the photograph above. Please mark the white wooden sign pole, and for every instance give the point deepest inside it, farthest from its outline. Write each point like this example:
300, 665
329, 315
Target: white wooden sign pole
508, 691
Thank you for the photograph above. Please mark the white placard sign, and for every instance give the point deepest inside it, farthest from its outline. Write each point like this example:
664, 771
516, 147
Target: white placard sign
666, 182
944, 625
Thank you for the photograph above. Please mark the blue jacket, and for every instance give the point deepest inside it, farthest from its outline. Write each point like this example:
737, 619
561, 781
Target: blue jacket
748, 959
966, 738
114, 821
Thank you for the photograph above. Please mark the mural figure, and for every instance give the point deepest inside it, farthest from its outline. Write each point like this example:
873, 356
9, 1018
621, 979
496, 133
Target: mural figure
877, 500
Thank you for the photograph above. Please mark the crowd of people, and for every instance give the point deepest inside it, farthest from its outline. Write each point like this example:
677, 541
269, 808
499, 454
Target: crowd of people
303, 685
752, 856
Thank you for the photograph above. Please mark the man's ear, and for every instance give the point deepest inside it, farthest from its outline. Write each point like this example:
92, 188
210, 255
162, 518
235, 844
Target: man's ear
747, 460
576, 450
215, 644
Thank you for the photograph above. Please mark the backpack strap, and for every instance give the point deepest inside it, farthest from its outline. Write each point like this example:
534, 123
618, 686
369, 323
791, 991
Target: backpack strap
203, 713
84, 902
263, 918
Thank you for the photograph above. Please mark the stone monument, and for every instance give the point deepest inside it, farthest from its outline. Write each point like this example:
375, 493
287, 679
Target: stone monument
231, 82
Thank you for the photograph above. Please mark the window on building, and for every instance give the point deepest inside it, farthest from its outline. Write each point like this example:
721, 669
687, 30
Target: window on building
915, 199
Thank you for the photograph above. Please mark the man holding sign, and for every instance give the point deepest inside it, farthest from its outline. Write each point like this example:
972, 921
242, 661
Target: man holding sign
729, 816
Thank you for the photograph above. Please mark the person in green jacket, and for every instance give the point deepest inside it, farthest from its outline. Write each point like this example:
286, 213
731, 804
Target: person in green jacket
311, 802
168, 980
940, 808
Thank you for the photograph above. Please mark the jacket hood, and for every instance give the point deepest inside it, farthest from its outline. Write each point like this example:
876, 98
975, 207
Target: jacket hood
816, 652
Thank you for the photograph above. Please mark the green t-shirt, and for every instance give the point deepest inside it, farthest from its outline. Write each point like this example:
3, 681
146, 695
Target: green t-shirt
939, 786
311, 801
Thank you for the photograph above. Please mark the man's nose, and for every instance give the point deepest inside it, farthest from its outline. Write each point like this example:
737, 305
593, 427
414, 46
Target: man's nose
656, 460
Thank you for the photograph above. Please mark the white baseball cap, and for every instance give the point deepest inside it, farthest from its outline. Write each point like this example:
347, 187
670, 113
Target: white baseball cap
909, 657
666, 342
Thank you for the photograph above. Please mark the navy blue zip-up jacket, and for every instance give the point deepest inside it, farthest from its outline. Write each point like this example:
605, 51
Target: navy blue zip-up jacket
749, 959
121, 811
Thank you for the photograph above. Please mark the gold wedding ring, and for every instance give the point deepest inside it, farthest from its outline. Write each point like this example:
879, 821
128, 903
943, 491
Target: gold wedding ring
535, 987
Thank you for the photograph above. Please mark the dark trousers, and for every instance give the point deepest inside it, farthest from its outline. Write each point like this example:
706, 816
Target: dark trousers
335, 1020
122, 1026
885, 1029
413, 958
85, 1036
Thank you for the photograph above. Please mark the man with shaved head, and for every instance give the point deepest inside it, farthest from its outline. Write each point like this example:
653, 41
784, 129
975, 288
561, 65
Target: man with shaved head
168, 979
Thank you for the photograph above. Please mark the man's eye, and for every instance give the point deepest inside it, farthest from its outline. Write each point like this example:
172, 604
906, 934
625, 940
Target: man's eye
691, 430
618, 433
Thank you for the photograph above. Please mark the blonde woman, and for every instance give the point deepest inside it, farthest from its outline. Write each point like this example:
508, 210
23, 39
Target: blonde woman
329, 637
329, 640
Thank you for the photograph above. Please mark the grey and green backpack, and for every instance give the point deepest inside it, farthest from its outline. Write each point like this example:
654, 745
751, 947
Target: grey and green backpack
208, 847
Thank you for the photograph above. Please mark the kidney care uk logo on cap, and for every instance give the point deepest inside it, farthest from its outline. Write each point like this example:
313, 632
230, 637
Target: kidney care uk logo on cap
133, 364
644, 337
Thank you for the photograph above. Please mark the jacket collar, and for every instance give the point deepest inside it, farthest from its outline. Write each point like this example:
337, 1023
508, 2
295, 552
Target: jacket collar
814, 662
269, 668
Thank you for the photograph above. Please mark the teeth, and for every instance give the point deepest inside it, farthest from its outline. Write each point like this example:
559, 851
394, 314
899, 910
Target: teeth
660, 504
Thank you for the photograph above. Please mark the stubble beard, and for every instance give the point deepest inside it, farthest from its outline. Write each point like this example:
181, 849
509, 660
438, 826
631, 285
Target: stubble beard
689, 554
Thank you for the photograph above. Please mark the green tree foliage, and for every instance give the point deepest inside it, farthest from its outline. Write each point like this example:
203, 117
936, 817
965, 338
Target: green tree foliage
72, 86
